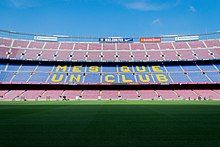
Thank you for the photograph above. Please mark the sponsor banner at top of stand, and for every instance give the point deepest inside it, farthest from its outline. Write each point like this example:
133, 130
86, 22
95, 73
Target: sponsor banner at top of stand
150, 40
115, 40
187, 38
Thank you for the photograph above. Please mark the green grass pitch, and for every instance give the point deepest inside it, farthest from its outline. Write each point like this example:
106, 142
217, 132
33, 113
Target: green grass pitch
110, 123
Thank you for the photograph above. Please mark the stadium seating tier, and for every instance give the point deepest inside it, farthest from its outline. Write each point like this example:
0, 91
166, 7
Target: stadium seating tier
38, 95
192, 72
108, 52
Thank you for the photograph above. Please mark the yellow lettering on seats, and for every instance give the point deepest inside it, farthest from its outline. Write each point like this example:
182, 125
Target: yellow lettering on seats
156, 69
146, 78
125, 80
77, 68
55, 80
162, 78
109, 78
142, 69
62, 68
93, 69
125, 69
74, 78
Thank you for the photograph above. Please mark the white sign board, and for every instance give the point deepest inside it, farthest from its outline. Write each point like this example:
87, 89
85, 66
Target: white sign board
187, 38
45, 38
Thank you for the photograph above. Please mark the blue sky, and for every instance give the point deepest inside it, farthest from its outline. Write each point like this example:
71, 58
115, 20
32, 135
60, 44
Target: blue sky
110, 17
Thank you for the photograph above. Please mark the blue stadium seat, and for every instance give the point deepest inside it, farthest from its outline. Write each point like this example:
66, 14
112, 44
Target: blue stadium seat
2, 66
179, 77
109, 69
27, 68
13, 67
39, 77
44, 68
207, 67
190, 68
21, 77
214, 76
218, 66
198, 77
173, 68
92, 78
6, 76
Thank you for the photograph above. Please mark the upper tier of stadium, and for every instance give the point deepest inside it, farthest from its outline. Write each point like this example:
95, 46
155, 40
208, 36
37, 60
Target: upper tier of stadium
55, 50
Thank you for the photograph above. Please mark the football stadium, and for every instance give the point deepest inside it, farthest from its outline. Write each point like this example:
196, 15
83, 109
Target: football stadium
66, 90
45, 68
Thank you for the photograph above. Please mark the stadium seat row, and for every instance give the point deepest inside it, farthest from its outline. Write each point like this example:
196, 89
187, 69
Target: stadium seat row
109, 95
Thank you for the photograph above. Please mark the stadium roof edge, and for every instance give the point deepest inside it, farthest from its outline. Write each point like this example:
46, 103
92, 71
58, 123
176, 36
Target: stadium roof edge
32, 35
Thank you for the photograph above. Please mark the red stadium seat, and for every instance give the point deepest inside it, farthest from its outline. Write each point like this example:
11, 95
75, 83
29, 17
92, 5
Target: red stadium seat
66, 46
167, 94
5, 42
109, 94
155, 56
151, 46
109, 46
81, 46
212, 43
52, 95
148, 94
4, 52
139, 56
123, 46
91, 94
124, 56
129, 94
180, 45
63, 55
20, 43
137, 46
186, 94
196, 44
72, 94
79, 56
203, 54
109, 56
51, 45
208, 94
32, 94
95, 46
94, 56
165, 46
13, 94
36, 45
170, 55
2, 93
186, 55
